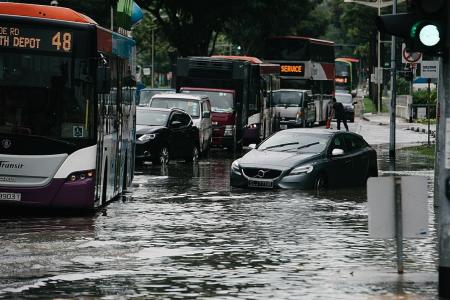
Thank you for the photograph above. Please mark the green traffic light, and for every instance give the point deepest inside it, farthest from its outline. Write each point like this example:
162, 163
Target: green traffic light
426, 33
429, 35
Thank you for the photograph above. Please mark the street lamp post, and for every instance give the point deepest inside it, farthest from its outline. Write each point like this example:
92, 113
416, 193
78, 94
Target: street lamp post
377, 4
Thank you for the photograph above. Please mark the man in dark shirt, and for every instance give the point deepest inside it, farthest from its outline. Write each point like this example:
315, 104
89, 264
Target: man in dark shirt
339, 113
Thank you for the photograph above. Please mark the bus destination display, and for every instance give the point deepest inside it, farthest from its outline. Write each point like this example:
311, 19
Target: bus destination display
292, 70
15, 37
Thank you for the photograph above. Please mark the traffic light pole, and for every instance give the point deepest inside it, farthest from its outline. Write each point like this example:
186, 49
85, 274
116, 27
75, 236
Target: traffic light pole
444, 170
393, 91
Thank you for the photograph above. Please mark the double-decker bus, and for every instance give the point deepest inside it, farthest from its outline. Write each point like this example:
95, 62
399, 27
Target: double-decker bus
67, 117
306, 64
346, 74
238, 88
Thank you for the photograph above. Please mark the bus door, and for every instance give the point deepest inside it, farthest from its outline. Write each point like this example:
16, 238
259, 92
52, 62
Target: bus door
118, 124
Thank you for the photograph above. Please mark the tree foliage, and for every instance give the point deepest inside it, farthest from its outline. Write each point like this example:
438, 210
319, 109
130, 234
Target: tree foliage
189, 25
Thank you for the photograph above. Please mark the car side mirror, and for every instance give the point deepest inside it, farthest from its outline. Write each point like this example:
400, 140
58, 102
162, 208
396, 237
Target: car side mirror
175, 124
252, 146
206, 114
337, 152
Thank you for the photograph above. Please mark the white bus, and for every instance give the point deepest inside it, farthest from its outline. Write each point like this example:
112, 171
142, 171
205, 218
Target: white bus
67, 117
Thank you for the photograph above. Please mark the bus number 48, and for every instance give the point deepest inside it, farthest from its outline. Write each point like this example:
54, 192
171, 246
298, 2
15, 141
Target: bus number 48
62, 40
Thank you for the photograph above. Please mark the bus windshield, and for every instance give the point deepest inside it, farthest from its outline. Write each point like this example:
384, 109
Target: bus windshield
220, 101
286, 49
190, 106
46, 95
287, 98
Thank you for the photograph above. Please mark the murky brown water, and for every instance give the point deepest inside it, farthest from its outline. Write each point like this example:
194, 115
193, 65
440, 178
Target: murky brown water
181, 233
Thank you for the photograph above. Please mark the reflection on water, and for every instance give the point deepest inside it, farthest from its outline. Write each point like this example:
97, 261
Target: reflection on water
181, 233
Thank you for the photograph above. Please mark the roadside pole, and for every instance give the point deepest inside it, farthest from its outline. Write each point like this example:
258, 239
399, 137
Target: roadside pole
428, 109
393, 91
444, 172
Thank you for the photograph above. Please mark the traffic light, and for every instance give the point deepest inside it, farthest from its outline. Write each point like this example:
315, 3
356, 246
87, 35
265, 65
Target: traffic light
423, 28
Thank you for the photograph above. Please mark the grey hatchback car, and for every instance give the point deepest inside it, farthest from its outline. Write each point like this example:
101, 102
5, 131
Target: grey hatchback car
306, 159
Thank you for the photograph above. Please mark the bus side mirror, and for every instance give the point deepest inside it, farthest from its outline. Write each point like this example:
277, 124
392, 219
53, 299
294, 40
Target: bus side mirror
103, 83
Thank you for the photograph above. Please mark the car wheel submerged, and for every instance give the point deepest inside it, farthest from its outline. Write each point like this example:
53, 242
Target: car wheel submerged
194, 155
162, 158
320, 183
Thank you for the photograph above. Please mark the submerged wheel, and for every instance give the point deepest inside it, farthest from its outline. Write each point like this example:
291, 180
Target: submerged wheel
321, 183
162, 158
193, 157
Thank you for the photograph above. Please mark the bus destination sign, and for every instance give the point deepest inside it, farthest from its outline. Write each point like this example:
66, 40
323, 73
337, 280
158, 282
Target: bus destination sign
16, 37
292, 69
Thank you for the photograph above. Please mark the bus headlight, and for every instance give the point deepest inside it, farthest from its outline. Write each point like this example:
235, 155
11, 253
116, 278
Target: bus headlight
77, 176
147, 137
301, 170
228, 130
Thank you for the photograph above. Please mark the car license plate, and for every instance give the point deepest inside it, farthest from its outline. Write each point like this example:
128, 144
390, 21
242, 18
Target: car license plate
283, 126
10, 196
260, 184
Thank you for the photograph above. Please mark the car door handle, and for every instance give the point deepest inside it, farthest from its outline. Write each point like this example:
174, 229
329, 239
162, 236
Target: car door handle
347, 162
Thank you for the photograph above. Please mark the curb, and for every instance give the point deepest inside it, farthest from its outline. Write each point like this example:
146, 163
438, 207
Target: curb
421, 130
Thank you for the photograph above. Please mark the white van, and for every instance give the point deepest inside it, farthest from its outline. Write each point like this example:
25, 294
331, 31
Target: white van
295, 108
197, 106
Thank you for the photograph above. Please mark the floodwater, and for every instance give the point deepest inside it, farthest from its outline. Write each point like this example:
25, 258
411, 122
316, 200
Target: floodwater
181, 233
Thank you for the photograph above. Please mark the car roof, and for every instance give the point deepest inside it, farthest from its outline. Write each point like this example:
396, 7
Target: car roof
148, 108
292, 90
181, 96
320, 131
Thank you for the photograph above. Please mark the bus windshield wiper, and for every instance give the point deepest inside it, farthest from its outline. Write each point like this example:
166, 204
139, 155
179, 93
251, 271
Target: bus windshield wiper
279, 145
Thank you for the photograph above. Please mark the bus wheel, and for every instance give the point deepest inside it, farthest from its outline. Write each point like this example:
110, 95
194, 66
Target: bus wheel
105, 183
162, 158
125, 173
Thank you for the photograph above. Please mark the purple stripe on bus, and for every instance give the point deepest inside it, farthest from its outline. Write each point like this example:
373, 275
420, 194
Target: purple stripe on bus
57, 194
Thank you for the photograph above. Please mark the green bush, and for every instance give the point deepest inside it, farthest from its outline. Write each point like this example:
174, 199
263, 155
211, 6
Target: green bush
421, 97
403, 86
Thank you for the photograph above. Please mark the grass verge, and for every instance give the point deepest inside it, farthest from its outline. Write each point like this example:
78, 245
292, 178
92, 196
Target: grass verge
422, 150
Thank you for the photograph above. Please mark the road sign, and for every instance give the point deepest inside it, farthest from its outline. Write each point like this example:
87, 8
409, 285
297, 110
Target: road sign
410, 57
429, 69
147, 71
381, 207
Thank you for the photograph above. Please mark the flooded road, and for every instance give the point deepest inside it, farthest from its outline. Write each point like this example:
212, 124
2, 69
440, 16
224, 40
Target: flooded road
181, 233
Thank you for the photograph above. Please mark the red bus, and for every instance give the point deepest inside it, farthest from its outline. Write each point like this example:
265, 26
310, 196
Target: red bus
237, 87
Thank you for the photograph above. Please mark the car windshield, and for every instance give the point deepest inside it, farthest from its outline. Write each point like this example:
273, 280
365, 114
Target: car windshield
291, 141
190, 106
287, 98
344, 98
151, 117
220, 101
146, 95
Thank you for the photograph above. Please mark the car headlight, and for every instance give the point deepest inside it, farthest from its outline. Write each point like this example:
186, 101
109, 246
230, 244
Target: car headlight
302, 170
235, 168
147, 137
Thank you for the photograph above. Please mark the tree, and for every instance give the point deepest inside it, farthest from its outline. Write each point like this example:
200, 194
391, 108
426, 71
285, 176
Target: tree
253, 21
98, 10
189, 26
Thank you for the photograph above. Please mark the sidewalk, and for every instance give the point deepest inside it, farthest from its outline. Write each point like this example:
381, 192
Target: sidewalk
384, 119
